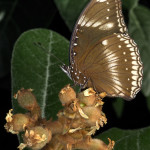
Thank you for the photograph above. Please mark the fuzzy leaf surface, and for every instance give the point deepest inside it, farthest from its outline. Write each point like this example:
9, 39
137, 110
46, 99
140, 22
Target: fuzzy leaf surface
35, 68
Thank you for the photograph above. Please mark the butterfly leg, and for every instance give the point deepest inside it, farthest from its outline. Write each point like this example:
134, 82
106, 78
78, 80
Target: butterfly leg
84, 86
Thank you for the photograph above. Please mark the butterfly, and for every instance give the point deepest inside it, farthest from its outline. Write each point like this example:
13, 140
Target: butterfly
102, 54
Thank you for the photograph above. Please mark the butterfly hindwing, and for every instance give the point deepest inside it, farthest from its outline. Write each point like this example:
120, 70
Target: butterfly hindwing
115, 66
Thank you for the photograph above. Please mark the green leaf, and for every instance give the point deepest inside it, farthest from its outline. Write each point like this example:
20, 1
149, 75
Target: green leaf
33, 67
70, 10
14, 16
118, 105
5, 55
148, 102
6, 35
128, 139
139, 27
128, 4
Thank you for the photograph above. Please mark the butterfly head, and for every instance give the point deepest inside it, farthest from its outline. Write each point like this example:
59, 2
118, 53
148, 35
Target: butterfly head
66, 69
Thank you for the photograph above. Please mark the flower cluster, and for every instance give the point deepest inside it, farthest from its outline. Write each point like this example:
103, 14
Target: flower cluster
81, 116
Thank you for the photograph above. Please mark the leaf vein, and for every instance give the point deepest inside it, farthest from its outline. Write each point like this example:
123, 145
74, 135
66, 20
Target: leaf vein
47, 76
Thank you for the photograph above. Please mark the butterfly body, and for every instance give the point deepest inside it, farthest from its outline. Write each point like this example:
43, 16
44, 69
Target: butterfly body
102, 54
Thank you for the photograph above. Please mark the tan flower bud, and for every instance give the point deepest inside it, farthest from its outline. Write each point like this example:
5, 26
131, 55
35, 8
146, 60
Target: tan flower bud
37, 137
87, 97
26, 99
17, 123
103, 94
93, 114
67, 95
95, 144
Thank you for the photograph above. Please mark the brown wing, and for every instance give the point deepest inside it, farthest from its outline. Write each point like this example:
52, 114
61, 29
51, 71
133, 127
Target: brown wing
115, 66
99, 19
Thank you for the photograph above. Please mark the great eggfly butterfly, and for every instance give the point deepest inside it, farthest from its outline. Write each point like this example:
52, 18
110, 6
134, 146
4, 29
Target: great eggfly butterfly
102, 54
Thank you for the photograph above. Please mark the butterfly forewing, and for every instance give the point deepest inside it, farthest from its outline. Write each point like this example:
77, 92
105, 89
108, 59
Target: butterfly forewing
100, 18
102, 55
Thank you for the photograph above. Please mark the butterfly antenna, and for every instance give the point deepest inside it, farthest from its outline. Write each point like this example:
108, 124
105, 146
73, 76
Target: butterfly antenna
38, 44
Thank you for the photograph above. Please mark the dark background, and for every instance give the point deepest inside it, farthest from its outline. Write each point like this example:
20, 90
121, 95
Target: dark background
29, 14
